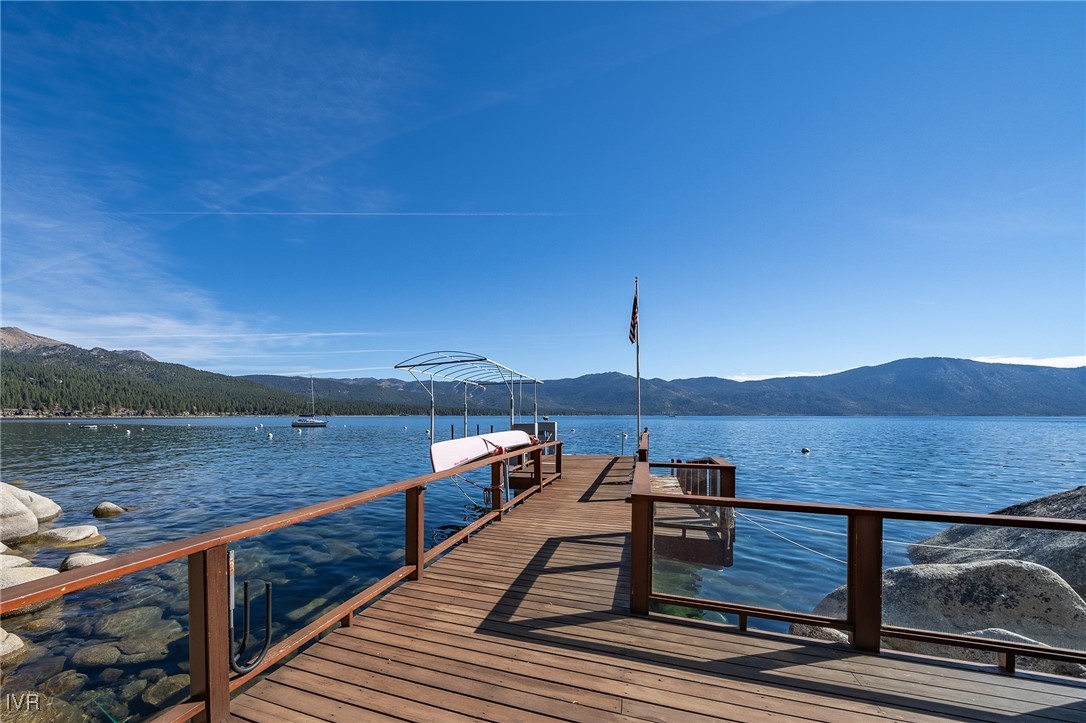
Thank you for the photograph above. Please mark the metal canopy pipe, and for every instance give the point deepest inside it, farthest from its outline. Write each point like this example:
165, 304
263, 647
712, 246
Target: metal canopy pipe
430, 391
458, 366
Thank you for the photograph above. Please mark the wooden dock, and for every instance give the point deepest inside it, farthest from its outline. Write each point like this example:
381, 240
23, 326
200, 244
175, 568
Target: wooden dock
530, 621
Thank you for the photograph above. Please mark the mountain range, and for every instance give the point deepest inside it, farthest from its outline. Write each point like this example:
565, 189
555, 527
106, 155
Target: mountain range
43, 376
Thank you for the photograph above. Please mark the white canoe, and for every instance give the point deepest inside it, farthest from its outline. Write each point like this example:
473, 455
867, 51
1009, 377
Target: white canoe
455, 452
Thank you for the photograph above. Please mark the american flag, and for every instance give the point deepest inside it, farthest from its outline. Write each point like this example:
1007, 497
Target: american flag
633, 321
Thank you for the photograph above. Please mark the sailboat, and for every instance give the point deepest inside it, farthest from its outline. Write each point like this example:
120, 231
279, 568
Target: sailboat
311, 420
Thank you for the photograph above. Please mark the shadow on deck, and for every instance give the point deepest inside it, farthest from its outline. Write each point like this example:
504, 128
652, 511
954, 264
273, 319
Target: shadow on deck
530, 621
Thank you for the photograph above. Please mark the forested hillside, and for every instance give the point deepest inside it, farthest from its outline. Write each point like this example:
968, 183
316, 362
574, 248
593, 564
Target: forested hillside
43, 377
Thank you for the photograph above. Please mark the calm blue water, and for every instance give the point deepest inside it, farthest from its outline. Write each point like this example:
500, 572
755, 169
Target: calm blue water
181, 478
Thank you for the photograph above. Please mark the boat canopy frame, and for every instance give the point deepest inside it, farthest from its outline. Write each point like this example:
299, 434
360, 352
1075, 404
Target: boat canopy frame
470, 370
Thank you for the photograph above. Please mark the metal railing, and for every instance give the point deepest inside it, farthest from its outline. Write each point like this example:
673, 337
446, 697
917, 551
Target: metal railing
209, 611
863, 621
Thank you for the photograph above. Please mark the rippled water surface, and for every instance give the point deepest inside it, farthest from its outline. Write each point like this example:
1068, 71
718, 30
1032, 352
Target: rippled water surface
180, 478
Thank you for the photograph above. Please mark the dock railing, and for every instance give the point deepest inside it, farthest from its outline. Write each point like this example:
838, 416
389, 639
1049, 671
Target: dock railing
208, 581
863, 621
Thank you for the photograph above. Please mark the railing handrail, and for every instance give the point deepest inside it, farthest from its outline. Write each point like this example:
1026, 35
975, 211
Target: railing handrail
886, 513
208, 589
864, 561
714, 463
77, 579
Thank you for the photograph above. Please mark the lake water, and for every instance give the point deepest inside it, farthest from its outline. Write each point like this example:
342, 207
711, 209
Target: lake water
183, 477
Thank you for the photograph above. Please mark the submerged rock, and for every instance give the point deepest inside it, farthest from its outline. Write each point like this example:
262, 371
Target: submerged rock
64, 684
150, 644
175, 687
12, 649
77, 536
108, 509
101, 655
102, 705
992, 598
80, 559
152, 674
47, 621
38, 665
127, 623
1062, 552
305, 611
110, 675
133, 688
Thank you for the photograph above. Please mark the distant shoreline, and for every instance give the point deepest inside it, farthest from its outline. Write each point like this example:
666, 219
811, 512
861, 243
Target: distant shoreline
7, 415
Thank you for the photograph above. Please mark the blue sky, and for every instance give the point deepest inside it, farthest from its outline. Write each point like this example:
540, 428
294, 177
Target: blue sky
331, 188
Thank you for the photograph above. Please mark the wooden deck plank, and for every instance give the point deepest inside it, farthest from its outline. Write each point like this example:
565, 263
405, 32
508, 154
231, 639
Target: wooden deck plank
589, 674
796, 674
529, 621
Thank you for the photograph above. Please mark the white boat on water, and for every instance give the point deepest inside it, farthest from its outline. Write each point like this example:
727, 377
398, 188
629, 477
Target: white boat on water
311, 420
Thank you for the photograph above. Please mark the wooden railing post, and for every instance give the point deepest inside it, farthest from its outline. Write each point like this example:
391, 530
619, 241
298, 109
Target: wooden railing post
727, 480
414, 524
641, 555
865, 581
558, 459
209, 632
537, 468
497, 473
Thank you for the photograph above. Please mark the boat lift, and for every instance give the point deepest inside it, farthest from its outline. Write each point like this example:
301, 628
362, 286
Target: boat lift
470, 370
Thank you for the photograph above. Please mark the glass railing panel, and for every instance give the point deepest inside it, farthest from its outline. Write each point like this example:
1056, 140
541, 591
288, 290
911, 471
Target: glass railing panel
781, 561
1003, 583
117, 651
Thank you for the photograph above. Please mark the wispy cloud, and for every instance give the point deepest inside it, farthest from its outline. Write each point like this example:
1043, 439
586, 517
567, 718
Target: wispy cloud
745, 377
227, 112
1065, 362
350, 213
327, 372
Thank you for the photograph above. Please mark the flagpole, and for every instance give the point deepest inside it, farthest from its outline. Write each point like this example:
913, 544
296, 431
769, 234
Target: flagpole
637, 436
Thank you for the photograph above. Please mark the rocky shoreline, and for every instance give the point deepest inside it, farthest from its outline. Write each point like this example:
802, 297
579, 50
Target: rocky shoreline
117, 644
1001, 583
121, 647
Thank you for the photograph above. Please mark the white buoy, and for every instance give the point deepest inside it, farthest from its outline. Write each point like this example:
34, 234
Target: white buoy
269, 435
128, 432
